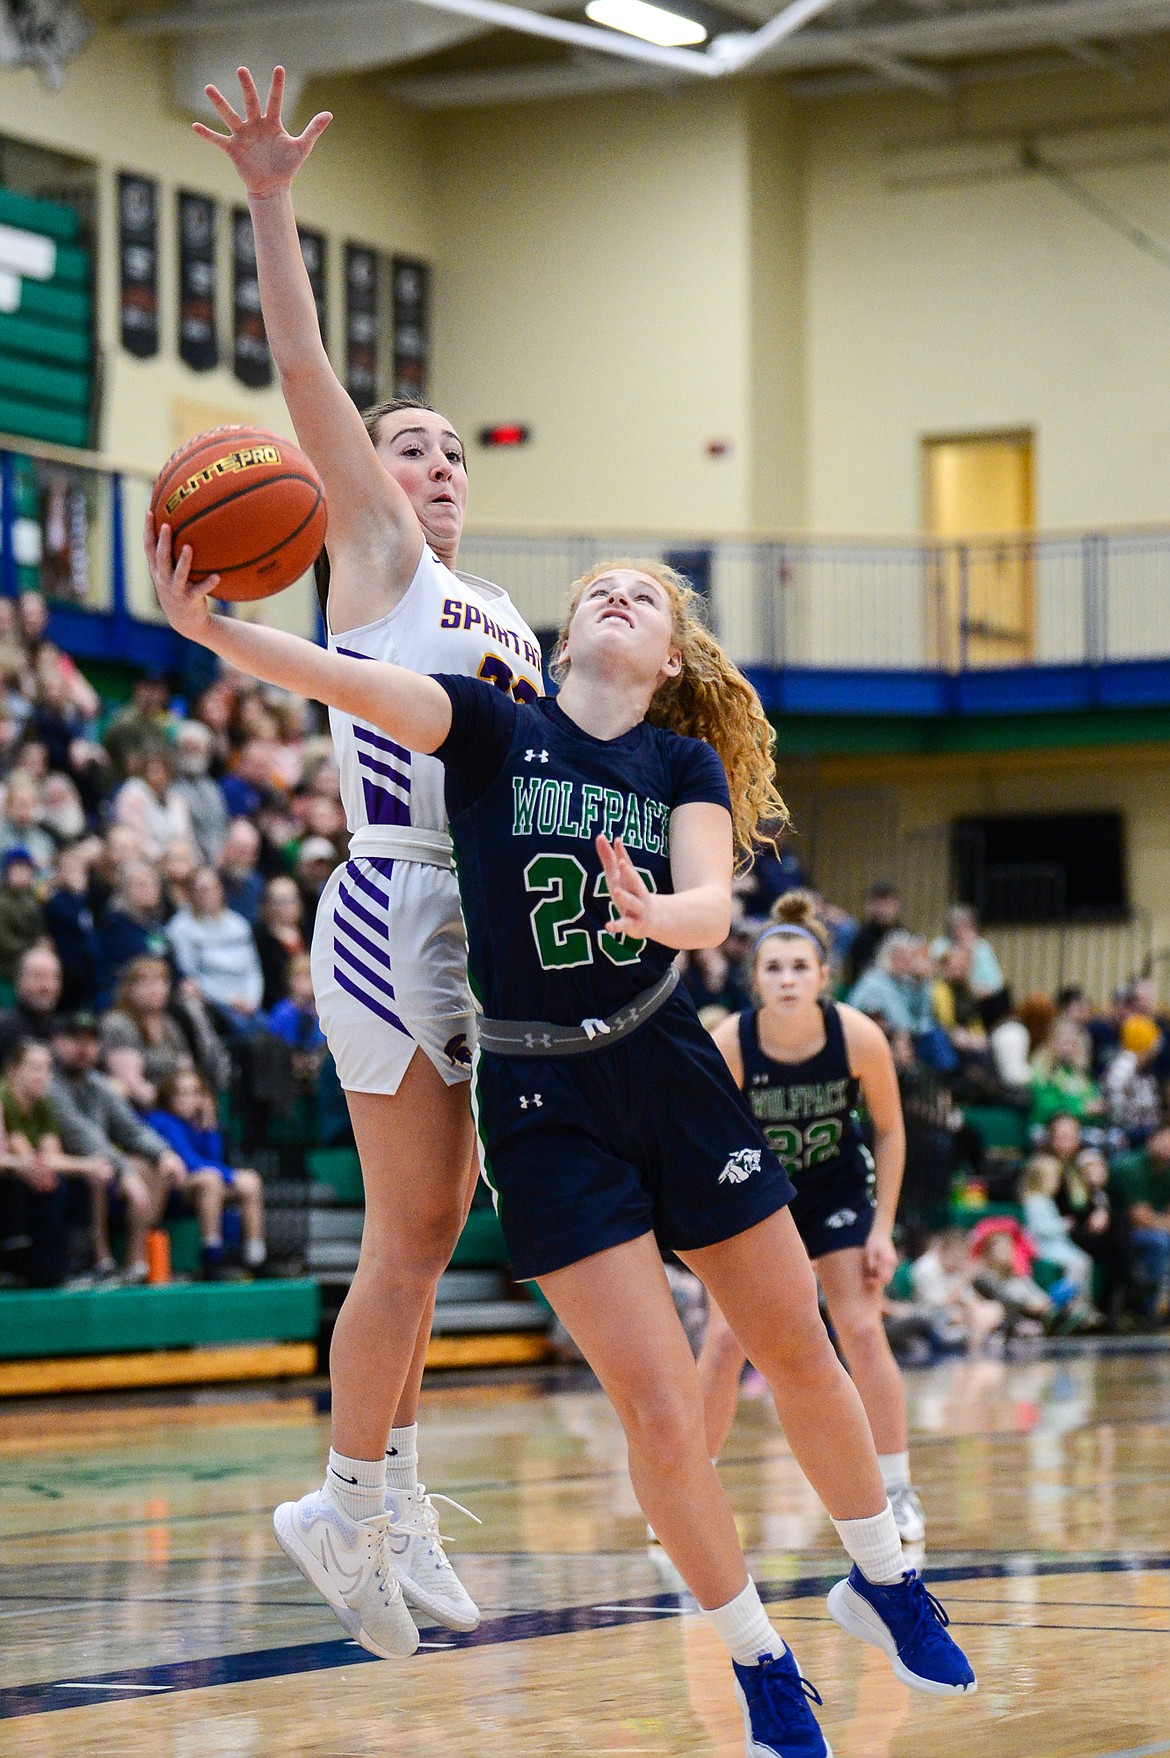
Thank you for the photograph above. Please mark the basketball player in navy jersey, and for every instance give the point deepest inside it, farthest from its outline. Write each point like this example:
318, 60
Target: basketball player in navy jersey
804, 1063
594, 839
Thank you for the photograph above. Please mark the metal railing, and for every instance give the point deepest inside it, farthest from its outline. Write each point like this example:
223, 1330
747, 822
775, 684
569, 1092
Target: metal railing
1080, 598
70, 524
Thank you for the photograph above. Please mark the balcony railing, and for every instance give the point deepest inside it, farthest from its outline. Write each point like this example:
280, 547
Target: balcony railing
1075, 599
71, 525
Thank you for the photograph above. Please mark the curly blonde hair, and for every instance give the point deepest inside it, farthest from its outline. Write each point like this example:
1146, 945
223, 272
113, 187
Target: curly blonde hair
710, 699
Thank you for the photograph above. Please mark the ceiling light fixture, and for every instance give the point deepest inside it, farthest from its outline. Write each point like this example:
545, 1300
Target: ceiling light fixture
654, 24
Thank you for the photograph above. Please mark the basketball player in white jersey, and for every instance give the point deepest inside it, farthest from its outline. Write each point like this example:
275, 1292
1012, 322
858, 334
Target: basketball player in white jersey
389, 953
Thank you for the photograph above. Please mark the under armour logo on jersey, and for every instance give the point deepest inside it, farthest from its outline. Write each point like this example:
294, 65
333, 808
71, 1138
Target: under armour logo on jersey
533, 1099
532, 1039
740, 1166
843, 1218
536, 756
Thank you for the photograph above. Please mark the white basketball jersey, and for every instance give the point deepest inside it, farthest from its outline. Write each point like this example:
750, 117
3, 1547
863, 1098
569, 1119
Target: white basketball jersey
444, 622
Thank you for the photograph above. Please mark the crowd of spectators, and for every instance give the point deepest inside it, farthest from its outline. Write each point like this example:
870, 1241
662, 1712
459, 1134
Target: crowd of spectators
1064, 1227
160, 867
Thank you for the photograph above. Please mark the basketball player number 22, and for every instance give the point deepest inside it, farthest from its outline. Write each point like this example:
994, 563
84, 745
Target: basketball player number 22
560, 881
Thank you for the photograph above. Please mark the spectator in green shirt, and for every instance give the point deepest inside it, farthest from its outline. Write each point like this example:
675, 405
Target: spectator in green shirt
1060, 1081
1141, 1181
34, 1149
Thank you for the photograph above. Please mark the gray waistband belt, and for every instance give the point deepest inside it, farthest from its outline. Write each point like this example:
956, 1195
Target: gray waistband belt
532, 1037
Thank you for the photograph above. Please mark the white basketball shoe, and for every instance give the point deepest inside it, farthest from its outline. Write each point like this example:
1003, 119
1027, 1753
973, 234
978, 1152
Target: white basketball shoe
427, 1580
350, 1565
908, 1515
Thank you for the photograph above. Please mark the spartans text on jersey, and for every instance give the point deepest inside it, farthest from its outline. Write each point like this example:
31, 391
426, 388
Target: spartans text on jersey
458, 615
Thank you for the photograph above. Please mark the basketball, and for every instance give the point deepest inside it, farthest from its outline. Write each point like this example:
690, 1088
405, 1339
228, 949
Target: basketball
250, 504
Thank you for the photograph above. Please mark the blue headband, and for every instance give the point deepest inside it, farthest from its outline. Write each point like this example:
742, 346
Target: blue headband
789, 928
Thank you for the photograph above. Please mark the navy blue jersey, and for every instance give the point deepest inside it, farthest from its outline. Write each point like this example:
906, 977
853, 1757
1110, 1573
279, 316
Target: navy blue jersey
807, 1110
527, 792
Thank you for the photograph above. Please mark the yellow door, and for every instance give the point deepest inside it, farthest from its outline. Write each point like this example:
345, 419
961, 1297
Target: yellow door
979, 508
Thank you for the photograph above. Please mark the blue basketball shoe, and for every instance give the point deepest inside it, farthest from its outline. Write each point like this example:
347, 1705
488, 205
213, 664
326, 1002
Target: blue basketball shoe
775, 1701
909, 1624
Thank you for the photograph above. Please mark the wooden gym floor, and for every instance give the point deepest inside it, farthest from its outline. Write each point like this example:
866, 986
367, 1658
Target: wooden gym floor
146, 1609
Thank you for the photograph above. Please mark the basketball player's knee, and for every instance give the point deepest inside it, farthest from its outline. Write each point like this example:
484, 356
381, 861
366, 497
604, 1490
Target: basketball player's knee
859, 1331
800, 1348
663, 1426
136, 1196
248, 1186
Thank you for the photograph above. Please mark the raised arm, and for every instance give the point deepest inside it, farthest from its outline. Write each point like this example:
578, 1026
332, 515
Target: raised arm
698, 911
371, 522
414, 710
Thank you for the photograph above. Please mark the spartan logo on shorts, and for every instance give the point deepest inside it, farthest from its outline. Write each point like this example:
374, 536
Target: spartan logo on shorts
740, 1166
458, 1051
843, 1218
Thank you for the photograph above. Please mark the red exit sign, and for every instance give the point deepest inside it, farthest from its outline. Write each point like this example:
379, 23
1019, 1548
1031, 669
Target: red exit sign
505, 433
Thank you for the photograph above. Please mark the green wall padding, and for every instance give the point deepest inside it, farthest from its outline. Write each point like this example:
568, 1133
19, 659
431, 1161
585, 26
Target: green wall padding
110, 1321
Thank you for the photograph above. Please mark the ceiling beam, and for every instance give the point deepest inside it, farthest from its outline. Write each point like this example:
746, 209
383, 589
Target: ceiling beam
899, 72
727, 54
582, 74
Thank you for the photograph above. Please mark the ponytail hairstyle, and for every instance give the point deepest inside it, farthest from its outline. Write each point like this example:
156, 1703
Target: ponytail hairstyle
794, 917
710, 699
371, 419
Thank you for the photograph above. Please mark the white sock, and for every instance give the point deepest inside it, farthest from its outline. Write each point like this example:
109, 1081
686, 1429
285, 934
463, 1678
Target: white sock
402, 1457
356, 1486
895, 1470
875, 1547
255, 1252
743, 1626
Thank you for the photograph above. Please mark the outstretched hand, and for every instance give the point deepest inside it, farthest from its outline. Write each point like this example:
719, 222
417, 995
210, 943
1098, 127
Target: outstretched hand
257, 143
632, 899
183, 601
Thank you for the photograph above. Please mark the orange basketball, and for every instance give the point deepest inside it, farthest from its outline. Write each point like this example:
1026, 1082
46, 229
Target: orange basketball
249, 503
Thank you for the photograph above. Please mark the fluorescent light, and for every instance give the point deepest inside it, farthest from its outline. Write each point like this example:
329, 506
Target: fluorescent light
654, 24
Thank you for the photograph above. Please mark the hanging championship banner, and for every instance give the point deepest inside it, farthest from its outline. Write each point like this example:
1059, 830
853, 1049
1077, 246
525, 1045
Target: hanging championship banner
313, 251
198, 341
361, 324
251, 361
138, 255
411, 327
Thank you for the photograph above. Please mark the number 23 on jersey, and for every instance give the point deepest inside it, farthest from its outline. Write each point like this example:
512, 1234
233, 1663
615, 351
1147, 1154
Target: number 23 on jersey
559, 881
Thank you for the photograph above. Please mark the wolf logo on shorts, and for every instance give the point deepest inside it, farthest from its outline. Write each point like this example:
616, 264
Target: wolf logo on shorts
740, 1166
842, 1218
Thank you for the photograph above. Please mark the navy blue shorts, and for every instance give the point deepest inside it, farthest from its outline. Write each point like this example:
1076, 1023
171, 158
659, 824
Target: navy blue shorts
650, 1135
833, 1213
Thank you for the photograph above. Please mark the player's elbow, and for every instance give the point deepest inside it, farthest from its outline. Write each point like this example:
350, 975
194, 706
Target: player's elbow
716, 923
